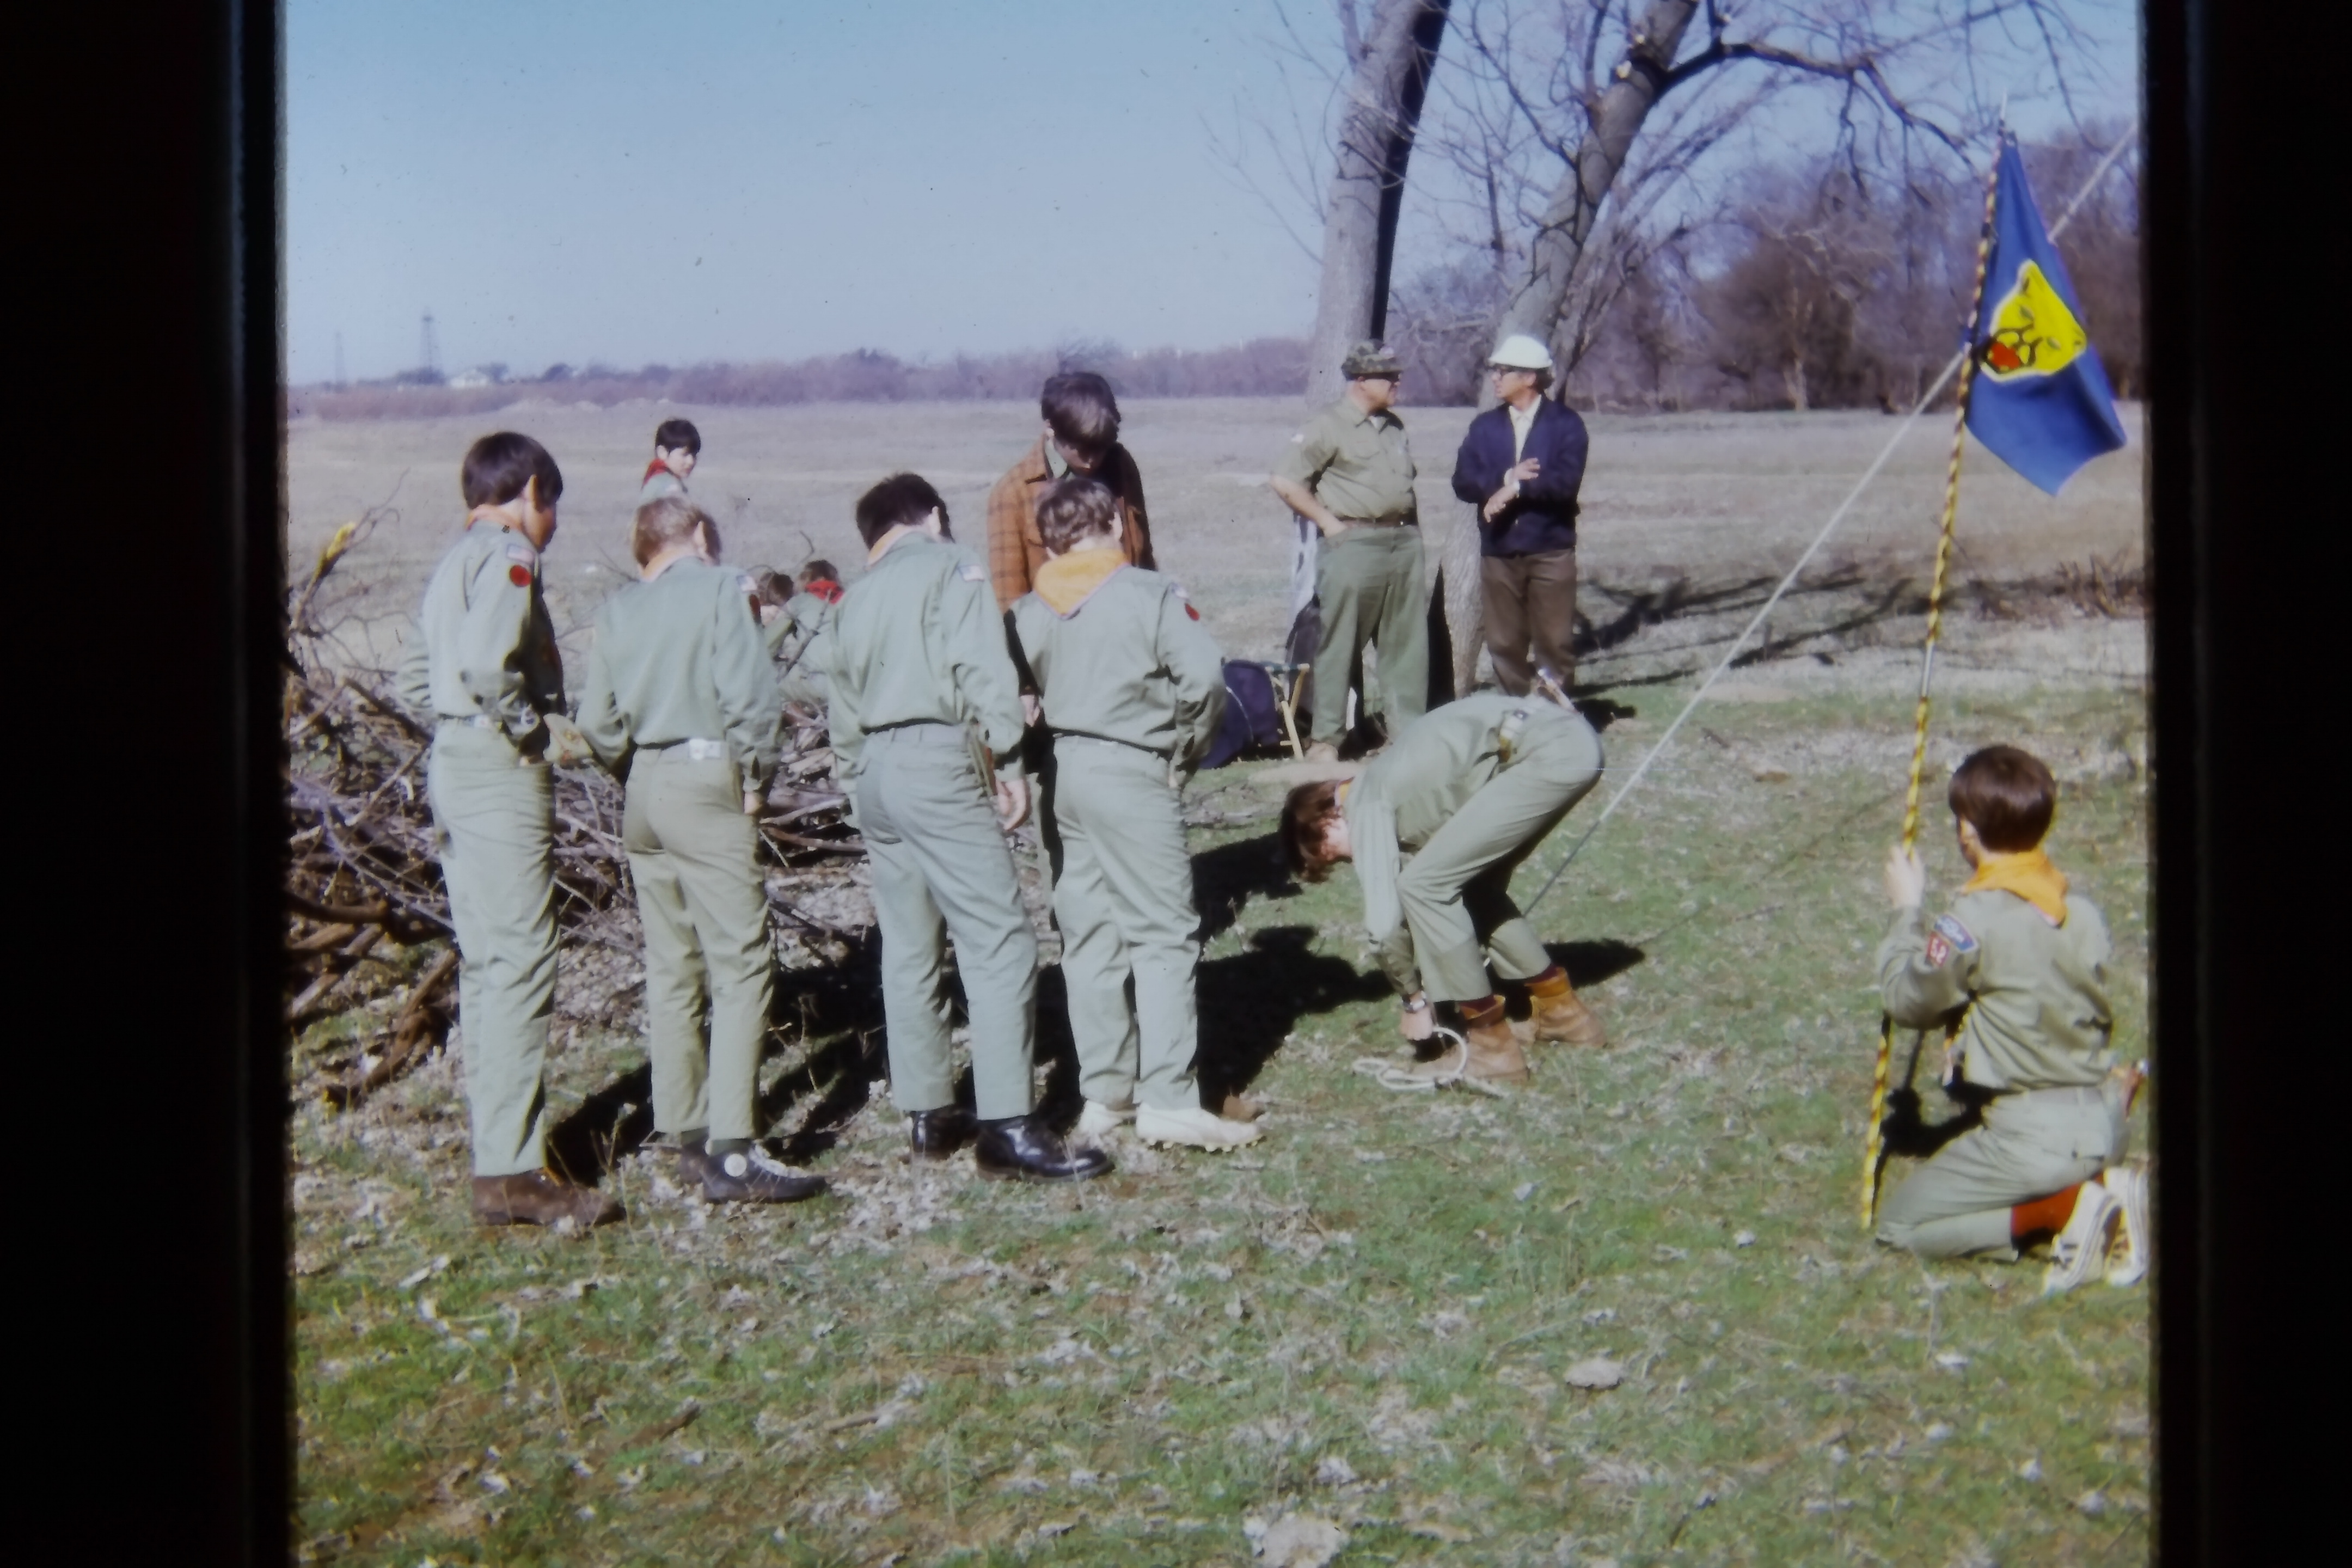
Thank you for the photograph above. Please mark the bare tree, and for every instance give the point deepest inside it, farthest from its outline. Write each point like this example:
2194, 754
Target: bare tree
1388, 80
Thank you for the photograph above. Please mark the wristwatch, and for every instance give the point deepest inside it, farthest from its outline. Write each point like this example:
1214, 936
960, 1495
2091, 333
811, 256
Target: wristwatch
1416, 1004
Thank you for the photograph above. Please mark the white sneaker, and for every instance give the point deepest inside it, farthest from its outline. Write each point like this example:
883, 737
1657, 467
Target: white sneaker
2081, 1249
2129, 1184
1195, 1127
1098, 1120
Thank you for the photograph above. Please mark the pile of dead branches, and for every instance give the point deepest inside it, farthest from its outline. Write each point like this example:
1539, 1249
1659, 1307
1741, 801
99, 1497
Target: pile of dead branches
368, 916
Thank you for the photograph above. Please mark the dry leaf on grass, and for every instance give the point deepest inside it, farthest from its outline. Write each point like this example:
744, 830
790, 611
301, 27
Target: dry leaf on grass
1297, 1541
1596, 1371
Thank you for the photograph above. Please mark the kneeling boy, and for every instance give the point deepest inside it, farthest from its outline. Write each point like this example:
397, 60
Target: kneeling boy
680, 701
1131, 689
919, 653
2025, 959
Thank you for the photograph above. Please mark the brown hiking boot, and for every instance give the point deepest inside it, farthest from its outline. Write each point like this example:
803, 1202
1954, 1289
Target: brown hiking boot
540, 1197
1494, 1056
1560, 1013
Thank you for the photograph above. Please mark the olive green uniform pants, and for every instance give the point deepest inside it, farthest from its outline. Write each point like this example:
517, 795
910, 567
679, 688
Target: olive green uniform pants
2032, 1143
709, 981
1457, 885
494, 820
1373, 591
941, 869
1123, 898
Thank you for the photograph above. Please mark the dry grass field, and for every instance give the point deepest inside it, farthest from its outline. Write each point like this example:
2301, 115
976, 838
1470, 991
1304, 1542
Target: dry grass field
1351, 1342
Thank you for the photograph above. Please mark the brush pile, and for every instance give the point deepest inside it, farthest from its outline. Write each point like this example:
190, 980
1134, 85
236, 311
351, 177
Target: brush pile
368, 930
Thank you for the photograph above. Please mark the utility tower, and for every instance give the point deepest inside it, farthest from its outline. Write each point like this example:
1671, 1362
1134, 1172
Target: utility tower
432, 347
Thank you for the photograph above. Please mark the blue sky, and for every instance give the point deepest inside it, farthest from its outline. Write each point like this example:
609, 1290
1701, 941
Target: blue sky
634, 183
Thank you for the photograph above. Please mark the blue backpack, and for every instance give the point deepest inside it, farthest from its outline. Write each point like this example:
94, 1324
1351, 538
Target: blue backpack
1251, 721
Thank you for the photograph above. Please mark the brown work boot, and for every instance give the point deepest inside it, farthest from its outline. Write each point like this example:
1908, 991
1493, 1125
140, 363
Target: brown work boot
1494, 1055
1560, 1014
540, 1197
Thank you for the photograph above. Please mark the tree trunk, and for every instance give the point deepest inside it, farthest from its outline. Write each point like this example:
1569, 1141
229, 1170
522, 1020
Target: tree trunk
1568, 221
1385, 92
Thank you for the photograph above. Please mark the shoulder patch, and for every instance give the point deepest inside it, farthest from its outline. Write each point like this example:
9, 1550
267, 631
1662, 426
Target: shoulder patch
1299, 439
517, 550
520, 575
971, 572
743, 581
1961, 938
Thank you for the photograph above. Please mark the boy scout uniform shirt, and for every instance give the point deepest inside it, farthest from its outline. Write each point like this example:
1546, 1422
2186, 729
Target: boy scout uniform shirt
2036, 994
484, 644
659, 482
795, 638
1130, 662
680, 659
920, 639
1357, 464
1412, 789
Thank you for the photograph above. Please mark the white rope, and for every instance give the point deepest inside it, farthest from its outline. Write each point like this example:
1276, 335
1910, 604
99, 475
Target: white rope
1837, 517
1388, 1075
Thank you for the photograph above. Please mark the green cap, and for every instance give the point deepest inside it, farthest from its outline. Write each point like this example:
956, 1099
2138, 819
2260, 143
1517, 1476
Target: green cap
1368, 358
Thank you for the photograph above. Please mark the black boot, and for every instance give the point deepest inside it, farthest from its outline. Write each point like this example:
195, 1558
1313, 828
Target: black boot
1025, 1147
934, 1135
745, 1176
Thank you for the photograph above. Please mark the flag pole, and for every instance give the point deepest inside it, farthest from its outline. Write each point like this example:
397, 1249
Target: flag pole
1873, 1143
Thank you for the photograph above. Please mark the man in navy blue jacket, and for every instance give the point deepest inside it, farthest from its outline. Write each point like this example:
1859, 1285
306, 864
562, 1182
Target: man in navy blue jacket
1521, 465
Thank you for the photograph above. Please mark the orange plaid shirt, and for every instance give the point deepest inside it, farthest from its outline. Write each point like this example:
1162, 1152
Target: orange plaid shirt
1016, 549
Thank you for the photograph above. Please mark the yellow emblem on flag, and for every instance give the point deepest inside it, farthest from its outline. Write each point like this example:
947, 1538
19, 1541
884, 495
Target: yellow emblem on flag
2033, 332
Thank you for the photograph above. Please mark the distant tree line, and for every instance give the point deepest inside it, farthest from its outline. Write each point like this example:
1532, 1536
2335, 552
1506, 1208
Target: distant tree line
1815, 289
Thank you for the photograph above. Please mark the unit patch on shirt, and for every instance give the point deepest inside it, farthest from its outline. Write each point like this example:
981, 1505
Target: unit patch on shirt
1949, 937
519, 575
1184, 599
970, 573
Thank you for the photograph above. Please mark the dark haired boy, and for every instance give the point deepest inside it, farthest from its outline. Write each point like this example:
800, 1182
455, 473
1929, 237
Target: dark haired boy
926, 726
678, 446
483, 667
2019, 960
681, 704
1080, 436
794, 621
1131, 689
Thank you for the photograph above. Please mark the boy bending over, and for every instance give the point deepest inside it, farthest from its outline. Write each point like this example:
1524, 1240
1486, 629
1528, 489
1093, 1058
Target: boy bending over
2020, 961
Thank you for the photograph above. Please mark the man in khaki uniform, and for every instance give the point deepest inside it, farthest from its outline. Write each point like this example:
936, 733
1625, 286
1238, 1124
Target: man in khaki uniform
2026, 958
682, 703
794, 622
925, 723
482, 667
1350, 474
1435, 825
1131, 689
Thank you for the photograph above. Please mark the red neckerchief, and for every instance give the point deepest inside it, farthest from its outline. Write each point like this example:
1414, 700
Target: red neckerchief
658, 466
824, 588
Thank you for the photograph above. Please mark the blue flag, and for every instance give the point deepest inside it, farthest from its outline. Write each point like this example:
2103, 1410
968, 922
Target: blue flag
2041, 401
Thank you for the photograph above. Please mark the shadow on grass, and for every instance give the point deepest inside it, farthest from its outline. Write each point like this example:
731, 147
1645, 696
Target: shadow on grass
1224, 877
1250, 1001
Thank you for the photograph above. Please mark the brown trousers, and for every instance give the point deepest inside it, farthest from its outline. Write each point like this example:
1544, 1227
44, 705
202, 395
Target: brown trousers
1530, 599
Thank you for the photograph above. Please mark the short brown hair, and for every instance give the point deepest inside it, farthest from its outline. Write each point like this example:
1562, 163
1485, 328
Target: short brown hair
1307, 813
501, 465
668, 521
2007, 795
1072, 508
902, 501
818, 571
1081, 407
771, 586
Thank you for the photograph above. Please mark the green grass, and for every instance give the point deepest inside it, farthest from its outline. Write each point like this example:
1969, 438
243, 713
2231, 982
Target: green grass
1366, 1316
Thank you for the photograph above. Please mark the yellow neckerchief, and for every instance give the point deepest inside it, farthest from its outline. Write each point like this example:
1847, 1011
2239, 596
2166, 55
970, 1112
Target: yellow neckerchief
2029, 874
1065, 581
882, 546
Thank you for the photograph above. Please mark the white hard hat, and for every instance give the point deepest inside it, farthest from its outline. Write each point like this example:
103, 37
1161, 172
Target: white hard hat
1520, 352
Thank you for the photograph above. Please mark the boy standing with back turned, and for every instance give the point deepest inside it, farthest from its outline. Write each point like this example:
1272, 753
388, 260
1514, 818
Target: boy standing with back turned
926, 725
1131, 689
2022, 960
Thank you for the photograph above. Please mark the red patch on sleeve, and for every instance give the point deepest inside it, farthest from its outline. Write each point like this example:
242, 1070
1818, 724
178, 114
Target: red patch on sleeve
1938, 949
1192, 611
520, 575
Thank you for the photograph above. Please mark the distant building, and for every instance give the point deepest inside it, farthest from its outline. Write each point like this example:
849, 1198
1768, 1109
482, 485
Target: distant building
470, 378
